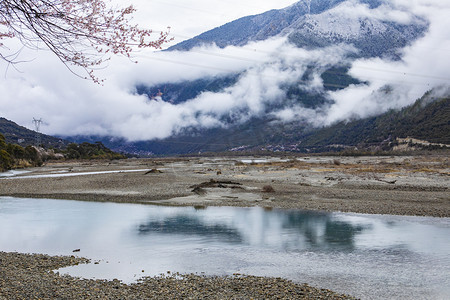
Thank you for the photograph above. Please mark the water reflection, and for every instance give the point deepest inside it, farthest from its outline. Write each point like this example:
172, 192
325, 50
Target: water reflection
286, 230
323, 231
190, 225
378, 257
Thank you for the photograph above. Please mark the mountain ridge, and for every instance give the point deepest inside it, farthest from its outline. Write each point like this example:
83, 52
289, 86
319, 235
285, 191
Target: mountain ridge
305, 24
309, 24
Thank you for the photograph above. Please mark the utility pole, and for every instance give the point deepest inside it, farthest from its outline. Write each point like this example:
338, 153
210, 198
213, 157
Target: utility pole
37, 125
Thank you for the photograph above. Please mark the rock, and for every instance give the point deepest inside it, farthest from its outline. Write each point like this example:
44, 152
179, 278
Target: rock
153, 171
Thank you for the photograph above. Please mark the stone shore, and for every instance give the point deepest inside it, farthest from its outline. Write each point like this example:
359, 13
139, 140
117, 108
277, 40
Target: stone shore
30, 276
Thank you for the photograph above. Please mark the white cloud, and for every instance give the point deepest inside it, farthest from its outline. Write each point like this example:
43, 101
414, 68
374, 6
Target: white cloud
69, 105
74, 106
385, 12
424, 65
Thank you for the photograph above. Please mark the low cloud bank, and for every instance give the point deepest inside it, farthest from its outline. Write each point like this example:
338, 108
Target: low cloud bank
44, 89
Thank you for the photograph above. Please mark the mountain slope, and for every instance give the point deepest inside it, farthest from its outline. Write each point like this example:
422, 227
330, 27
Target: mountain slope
16, 134
314, 24
320, 41
307, 24
427, 119
257, 27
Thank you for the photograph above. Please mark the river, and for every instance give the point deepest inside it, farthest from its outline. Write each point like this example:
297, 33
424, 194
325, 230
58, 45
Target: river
367, 256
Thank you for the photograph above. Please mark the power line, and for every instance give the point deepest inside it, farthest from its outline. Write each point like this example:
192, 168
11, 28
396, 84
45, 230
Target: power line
252, 49
402, 82
189, 8
232, 71
215, 12
201, 51
255, 131
267, 52
403, 73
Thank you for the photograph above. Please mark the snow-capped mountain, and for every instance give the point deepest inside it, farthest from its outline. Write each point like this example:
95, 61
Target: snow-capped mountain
310, 25
318, 23
300, 78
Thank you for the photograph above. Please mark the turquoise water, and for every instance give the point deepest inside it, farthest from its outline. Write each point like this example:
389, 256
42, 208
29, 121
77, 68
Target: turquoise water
368, 256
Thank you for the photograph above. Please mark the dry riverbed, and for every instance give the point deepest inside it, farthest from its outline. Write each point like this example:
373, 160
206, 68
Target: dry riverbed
398, 185
379, 185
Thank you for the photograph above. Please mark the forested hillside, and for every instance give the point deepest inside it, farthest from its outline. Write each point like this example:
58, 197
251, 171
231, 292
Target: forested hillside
427, 119
18, 150
16, 134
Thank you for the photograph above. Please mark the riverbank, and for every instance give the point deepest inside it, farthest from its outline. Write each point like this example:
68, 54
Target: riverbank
377, 185
26, 276
400, 185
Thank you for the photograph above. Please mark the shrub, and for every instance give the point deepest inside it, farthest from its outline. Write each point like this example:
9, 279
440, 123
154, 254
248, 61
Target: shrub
268, 189
6, 161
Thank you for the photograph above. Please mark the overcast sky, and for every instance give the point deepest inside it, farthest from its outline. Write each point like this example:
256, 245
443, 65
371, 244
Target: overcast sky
188, 18
44, 88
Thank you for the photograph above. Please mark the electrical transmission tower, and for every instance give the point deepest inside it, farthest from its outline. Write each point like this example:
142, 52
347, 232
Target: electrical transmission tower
37, 125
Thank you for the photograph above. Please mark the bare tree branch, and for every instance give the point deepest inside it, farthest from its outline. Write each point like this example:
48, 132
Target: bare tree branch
82, 33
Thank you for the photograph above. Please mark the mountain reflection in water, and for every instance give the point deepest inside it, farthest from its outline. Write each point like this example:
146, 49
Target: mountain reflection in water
322, 231
292, 230
190, 225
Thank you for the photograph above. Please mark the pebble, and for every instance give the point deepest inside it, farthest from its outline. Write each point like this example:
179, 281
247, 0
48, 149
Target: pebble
30, 276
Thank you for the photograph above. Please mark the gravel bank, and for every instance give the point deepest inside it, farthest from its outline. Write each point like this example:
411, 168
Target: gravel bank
26, 276
375, 185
